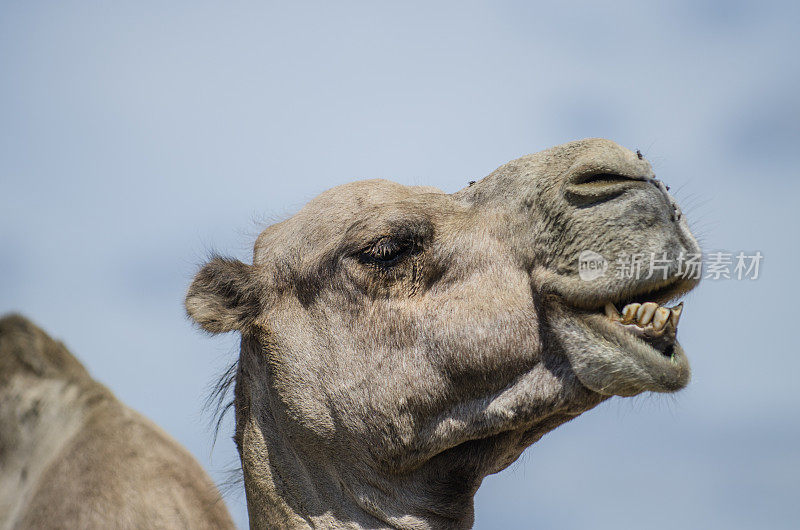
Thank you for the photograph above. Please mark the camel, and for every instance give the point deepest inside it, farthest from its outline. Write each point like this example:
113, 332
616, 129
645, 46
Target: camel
399, 344
73, 456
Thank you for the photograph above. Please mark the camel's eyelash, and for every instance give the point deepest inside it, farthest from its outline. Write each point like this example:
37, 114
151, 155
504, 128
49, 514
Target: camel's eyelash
386, 251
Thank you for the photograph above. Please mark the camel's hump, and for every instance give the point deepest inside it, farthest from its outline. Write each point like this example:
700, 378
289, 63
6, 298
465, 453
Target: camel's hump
25, 347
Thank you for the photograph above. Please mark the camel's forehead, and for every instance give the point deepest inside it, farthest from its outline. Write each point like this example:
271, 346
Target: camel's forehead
348, 202
329, 214
367, 193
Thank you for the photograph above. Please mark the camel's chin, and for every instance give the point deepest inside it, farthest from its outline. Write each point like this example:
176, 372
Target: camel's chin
612, 355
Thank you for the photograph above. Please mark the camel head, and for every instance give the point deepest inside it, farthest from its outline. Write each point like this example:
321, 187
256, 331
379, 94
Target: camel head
400, 343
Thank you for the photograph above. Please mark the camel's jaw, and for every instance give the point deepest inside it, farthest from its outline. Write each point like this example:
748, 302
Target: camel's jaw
628, 346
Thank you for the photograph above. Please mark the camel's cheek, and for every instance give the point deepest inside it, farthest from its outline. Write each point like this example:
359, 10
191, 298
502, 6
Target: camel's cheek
425, 360
483, 329
372, 377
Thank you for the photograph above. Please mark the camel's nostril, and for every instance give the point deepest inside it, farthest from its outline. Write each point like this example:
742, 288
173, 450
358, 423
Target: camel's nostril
664, 189
596, 188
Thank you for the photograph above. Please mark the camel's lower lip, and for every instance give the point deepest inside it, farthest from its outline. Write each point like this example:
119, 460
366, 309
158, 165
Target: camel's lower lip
663, 344
661, 353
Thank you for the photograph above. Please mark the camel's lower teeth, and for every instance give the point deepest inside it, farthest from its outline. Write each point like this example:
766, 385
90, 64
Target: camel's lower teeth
648, 315
660, 318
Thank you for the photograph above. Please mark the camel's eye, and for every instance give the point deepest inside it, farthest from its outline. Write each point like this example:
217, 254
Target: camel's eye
602, 178
386, 251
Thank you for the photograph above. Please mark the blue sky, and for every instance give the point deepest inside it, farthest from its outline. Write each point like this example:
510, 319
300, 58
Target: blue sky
136, 138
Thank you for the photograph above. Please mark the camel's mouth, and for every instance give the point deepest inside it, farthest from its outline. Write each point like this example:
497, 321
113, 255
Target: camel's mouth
655, 325
629, 343
647, 317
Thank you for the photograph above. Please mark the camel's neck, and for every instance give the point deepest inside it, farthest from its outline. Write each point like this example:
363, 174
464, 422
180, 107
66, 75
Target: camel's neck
301, 472
285, 492
290, 485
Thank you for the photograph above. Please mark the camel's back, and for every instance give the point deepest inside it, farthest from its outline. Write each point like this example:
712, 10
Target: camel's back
73, 456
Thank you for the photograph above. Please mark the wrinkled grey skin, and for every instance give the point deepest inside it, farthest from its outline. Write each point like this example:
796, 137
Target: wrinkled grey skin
373, 394
73, 456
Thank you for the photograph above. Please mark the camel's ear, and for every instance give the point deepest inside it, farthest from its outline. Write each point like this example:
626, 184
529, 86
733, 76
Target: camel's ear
224, 296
